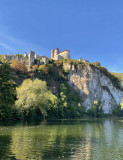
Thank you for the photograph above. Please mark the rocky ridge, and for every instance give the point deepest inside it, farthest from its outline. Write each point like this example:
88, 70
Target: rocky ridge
93, 84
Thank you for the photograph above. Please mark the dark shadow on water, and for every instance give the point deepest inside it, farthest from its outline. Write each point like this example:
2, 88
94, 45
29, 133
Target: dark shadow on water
35, 122
21, 122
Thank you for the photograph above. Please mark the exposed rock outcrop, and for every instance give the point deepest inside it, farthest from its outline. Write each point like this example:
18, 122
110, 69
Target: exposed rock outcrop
92, 83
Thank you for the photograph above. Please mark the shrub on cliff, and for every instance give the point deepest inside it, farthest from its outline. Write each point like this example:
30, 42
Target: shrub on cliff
97, 63
33, 98
43, 71
19, 67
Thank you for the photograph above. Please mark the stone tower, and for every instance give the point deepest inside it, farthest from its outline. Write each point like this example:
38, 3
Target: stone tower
57, 55
56, 51
31, 57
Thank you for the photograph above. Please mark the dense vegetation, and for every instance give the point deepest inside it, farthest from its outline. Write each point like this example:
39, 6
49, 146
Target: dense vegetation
96, 110
7, 91
43, 91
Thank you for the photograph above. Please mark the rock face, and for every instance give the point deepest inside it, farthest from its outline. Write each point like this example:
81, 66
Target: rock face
92, 83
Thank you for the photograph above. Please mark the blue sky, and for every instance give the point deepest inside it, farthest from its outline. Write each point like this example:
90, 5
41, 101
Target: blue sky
90, 29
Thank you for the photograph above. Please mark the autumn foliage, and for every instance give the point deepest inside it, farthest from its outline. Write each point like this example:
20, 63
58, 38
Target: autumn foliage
19, 67
43, 69
35, 67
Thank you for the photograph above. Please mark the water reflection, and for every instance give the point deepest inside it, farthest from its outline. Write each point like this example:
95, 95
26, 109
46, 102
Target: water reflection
68, 140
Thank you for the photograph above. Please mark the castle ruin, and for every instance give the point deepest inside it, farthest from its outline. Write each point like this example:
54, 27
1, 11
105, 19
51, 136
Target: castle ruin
57, 55
29, 59
32, 58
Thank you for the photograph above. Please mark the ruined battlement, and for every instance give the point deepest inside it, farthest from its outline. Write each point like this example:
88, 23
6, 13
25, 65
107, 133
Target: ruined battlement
57, 55
28, 58
32, 58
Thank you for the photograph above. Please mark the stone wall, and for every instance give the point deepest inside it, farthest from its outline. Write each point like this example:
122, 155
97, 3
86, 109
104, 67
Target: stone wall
28, 59
9, 57
65, 54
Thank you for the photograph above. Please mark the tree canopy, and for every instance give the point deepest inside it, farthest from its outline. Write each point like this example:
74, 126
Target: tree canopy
7, 91
33, 95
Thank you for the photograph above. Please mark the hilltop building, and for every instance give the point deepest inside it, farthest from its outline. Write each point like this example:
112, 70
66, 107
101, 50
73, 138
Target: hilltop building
11, 57
29, 59
57, 55
34, 58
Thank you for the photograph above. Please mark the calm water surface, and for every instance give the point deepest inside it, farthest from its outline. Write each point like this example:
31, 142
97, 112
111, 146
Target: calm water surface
94, 139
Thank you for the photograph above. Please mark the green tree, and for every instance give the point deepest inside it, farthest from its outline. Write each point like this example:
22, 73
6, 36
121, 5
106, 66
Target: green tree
117, 110
34, 97
62, 105
7, 91
69, 103
96, 110
43, 71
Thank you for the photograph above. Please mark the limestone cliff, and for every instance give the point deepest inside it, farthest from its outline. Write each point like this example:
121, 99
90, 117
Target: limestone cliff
92, 83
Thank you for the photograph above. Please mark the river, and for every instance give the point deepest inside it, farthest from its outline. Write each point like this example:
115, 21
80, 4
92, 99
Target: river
85, 139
